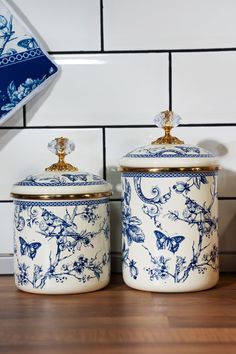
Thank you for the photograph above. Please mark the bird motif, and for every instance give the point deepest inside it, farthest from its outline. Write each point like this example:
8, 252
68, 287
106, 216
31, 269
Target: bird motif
53, 225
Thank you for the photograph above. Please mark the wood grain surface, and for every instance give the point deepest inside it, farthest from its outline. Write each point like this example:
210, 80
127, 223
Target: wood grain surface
119, 320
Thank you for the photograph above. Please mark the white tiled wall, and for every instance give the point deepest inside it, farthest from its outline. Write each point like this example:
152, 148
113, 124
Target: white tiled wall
204, 86
64, 25
165, 24
103, 90
122, 62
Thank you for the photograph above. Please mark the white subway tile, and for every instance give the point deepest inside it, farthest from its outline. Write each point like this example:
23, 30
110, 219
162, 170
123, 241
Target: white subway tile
158, 24
227, 225
103, 89
6, 265
219, 140
23, 152
204, 87
64, 25
6, 221
116, 227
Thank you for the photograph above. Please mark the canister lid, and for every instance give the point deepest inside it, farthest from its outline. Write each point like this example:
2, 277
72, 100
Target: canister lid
168, 152
61, 180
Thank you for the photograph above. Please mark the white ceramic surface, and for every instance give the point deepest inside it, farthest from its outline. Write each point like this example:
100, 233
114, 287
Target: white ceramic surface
63, 183
219, 140
169, 229
61, 247
24, 152
168, 156
100, 88
169, 217
227, 226
158, 24
62, 244
227, 245
203, 87
73, 25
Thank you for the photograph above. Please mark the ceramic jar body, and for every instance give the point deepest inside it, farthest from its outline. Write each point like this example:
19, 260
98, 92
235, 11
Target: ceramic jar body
170, 239
61, 246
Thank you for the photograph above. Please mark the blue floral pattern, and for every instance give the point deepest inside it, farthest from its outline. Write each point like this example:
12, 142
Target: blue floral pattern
6, 33
64, 179
197, 215
39, 228
16, 94
175, 151
24, 66
131, 224
130, 263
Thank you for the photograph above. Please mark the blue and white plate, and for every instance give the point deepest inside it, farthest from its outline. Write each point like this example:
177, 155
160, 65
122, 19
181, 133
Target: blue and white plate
25, 67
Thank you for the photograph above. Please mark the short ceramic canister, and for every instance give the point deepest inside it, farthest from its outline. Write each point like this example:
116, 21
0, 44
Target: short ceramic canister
61, 229
169, 214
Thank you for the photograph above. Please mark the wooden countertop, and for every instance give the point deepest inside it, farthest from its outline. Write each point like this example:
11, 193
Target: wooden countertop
118, 319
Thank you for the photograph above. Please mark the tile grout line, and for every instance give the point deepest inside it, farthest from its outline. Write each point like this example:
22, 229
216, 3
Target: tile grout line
226, 198
170, 80
101, 26
24, 117
104, 153
122, 126
139, 51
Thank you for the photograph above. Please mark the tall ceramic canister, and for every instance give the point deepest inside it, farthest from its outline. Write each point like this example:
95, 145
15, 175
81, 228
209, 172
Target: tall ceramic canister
61, 228
169, 214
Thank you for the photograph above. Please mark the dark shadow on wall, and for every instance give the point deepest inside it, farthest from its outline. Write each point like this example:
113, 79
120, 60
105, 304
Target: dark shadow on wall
114, 177
214, 146
227, 178
227, 215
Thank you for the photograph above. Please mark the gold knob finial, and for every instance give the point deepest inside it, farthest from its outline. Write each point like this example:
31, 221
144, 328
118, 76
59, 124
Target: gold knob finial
61, 147
167, 120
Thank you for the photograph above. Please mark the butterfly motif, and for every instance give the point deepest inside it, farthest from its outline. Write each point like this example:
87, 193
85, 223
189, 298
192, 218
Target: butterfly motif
29, 249
170, 243
28, 43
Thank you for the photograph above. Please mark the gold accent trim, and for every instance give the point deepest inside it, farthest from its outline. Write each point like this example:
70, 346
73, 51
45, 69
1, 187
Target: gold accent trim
168, 169
62, 196
61, 165
167, 138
